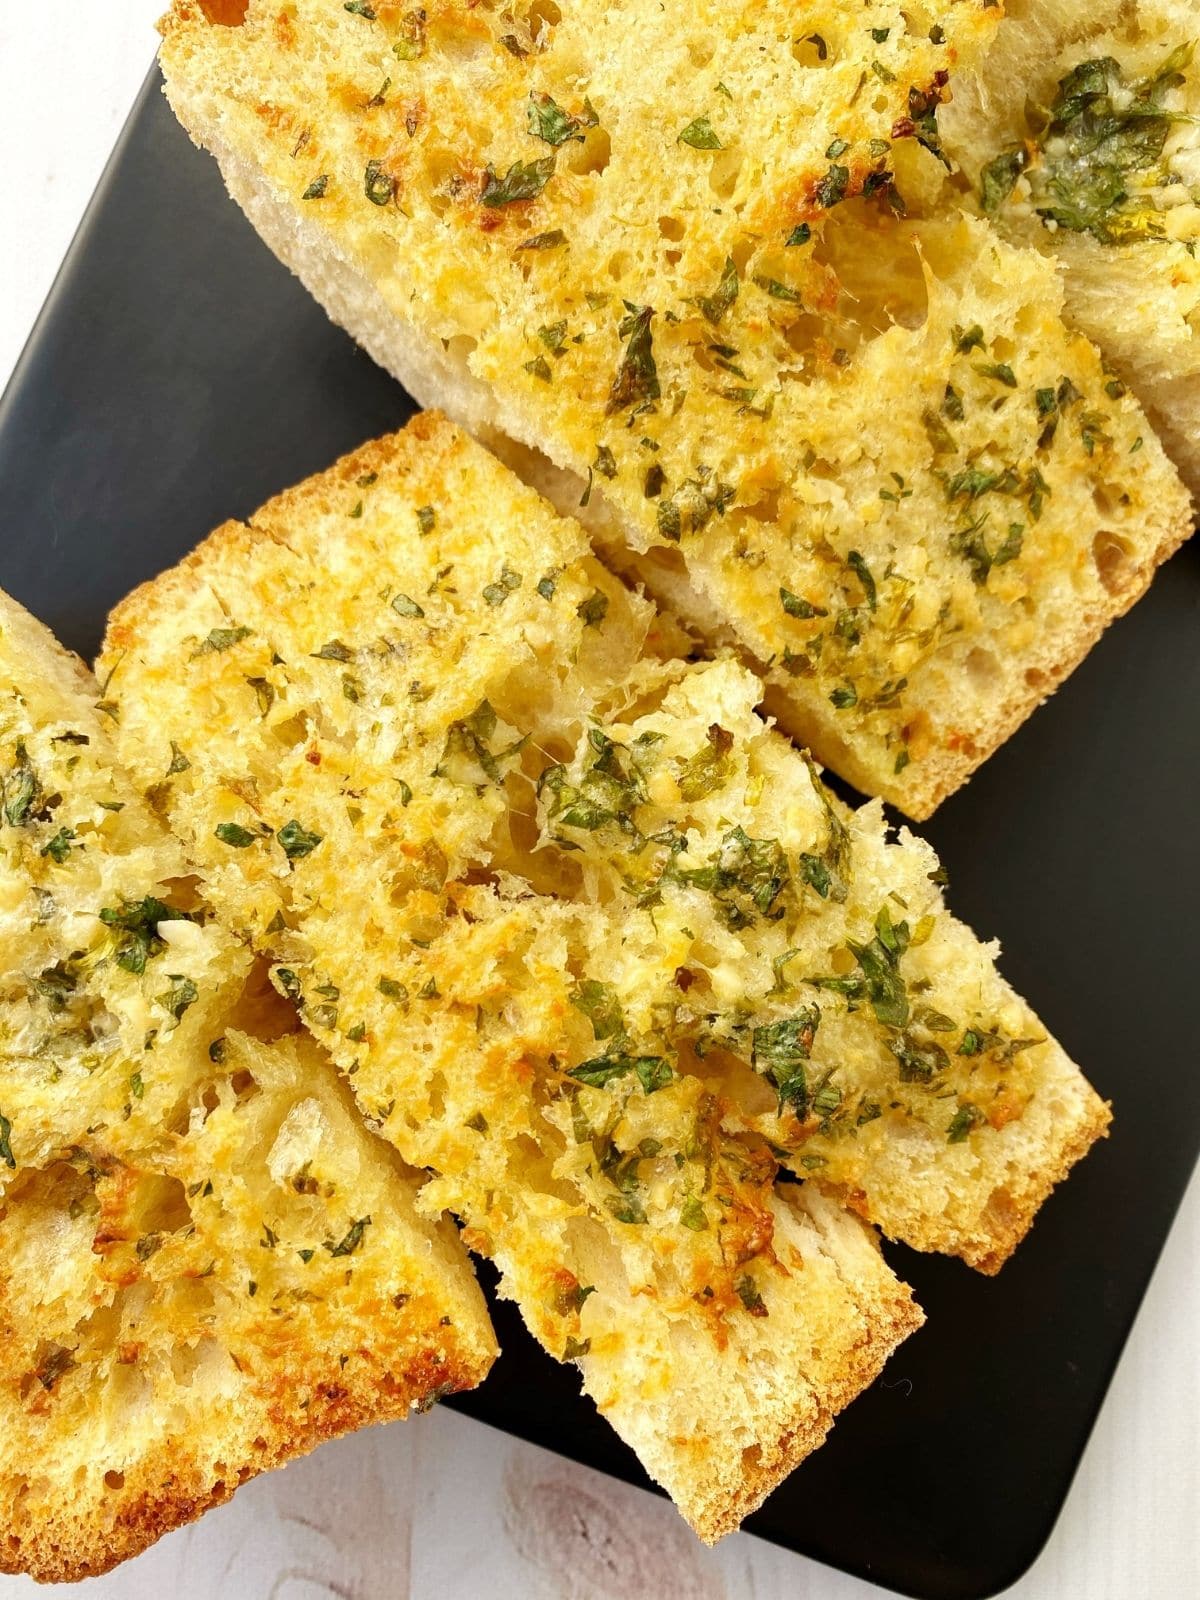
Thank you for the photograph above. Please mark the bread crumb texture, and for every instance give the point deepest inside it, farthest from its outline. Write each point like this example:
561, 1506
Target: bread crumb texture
207, 1263
1080, 134
675, 259
595, 944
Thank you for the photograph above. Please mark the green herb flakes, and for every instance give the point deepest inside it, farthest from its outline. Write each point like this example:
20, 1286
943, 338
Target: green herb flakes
780, 1050
59, 848
297, 842
524, 180
967, 1117
637, 375
234, 835
181, 994
506, 584
350, 1242
548, 121
700, 135
378, 186
652, 1072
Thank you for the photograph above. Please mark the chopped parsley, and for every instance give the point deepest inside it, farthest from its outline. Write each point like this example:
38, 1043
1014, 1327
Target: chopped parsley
652, 1072
548, 121
221, 639
709, 768
378, 186
20, 790
349, 1243
700, 135
1098, 159
59, 848
780, 1050
744, 876
297, 842
134, 925
747, 1292
506, 584
797, 606
637, 376
524, 180
233, 834
967, 1116
715, 305
179, 996
593, 610
599, 1004
468, 752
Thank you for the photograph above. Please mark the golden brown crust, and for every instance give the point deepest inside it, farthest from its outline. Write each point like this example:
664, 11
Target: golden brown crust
716, 1516
163, 1494
950, 769
1012, 1215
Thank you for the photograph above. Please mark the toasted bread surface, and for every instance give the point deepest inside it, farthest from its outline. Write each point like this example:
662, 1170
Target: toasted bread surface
418, 637
1078, 135
591, 940
566, 815
719, 384
207, 1264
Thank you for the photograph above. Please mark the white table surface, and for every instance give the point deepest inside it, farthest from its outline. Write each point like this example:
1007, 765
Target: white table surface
442, 1508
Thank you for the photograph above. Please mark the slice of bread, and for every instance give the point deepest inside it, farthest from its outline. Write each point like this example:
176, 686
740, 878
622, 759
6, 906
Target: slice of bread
1115, 202
419, 640
207, 1264
562, 815
669, 260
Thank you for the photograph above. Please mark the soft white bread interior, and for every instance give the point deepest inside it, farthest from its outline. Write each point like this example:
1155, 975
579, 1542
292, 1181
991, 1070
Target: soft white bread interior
866, 454
1080, 134
207, 1264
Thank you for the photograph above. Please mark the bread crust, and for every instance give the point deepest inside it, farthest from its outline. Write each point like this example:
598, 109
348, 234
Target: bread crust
165, 1494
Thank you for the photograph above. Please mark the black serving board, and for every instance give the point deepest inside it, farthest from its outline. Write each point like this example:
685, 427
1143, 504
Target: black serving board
179, 376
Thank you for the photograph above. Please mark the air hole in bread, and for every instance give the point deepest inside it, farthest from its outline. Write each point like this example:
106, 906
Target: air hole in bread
671, 228
244, 1086
765, 508
723, 174
225, 13
542, 15
460, 348
701, 51
114, 1479
164, 1207
983, 667
1114, 566
437, 1096
814, 51
878, 267
593, 155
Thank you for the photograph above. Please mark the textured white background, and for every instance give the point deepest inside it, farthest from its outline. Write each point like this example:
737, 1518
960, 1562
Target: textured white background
442, 1508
